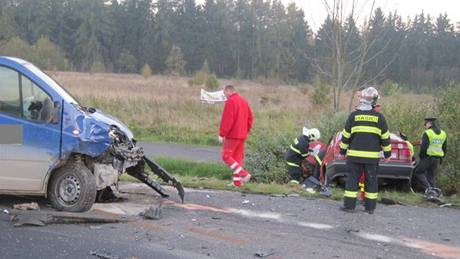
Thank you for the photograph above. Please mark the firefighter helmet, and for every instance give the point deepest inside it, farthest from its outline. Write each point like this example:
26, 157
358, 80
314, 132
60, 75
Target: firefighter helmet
312, 134
370, 94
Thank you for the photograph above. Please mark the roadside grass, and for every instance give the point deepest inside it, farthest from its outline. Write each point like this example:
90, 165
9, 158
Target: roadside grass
203, 175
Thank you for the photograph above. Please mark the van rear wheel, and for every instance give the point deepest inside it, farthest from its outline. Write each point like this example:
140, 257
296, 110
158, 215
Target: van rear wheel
72, 188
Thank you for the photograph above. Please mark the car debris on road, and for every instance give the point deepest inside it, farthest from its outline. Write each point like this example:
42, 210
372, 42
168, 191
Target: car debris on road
27, 206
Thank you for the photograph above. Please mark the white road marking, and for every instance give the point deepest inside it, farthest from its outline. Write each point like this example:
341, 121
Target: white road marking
314, 225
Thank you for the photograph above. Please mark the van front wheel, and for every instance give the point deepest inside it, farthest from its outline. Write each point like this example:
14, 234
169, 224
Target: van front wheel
72, 188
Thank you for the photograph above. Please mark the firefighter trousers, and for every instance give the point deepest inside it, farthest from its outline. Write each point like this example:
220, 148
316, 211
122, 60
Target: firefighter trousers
352, 187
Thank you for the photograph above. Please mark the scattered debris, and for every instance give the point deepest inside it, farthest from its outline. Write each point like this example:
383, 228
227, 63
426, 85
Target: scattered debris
5, 211
277, 195
446, 205
193, 220
31, 220
151, 213
216, 218
27, 206
387, 201
349, 230
294, 195
446, 239
102, 255
245, 202
208, 196
41, 218
264, 254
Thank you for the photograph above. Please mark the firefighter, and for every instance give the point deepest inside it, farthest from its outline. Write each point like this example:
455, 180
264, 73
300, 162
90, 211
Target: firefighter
364, 136
432, 150
298, 151
236, 123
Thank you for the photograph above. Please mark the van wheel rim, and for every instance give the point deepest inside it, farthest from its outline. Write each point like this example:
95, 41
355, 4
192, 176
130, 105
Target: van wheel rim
69, 189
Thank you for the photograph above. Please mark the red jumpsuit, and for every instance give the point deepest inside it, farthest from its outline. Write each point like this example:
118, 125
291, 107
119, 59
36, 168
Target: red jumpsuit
236, 123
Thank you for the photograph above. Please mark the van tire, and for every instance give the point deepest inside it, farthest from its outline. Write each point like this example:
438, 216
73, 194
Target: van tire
72, 188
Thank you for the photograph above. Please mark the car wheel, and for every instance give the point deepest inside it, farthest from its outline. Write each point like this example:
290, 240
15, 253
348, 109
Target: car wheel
72, 188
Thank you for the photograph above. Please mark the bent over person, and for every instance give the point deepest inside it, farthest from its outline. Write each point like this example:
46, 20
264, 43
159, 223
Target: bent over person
236, 123
364, 136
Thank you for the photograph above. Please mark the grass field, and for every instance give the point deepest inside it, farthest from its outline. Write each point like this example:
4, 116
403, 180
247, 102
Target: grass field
164, 108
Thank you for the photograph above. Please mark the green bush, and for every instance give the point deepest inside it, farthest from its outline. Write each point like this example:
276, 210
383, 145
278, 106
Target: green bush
97, 67
321, 92
265, 157
449, 117
200, 78
390, 88
212, 83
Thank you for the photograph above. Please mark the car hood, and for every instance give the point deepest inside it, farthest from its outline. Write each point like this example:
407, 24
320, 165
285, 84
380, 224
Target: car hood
110, 120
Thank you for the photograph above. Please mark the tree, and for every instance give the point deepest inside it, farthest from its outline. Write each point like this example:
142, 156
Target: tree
175, 62
146, 72
49, 55
16, 47
344, 68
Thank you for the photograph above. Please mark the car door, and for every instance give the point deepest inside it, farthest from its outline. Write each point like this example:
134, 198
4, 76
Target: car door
23, 109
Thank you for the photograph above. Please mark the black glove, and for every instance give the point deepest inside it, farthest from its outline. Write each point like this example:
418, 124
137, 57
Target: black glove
387, 154
343, 152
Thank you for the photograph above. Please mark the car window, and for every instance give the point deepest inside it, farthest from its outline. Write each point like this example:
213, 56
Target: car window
37, 104
9, 92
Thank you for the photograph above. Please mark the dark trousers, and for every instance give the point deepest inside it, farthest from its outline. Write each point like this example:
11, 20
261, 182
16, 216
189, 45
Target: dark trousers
370, 185
426, 170
295, 172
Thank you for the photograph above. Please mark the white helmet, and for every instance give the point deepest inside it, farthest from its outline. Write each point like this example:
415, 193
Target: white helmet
311, 134
370, 95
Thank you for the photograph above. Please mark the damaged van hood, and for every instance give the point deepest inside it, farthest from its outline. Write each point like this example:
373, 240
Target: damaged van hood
110, 120
86, 131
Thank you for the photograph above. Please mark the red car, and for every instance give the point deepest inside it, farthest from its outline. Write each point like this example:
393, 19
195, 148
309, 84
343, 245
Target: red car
399, 167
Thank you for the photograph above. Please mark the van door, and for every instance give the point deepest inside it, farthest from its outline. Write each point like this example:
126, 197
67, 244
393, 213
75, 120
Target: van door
26, 107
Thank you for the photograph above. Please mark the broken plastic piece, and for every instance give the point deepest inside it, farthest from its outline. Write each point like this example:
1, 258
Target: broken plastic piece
151, 213
264, 254
27, 206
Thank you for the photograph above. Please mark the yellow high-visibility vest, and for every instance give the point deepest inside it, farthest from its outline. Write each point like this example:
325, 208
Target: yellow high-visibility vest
435, 143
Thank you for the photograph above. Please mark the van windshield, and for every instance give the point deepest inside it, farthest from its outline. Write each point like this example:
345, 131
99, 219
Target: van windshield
58, 88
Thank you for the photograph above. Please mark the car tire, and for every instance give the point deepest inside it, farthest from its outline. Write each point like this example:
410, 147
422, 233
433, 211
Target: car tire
72, 188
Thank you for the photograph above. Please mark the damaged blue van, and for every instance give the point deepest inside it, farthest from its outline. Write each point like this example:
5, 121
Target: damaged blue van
51, 145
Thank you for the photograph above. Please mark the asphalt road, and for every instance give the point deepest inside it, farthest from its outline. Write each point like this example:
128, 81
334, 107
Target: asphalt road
221, 224
182, 151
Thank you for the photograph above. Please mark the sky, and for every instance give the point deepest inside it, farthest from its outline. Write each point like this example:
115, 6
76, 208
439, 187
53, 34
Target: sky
315, 10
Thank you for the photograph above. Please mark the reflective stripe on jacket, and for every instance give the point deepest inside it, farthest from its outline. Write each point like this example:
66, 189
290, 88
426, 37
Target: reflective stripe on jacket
364, 136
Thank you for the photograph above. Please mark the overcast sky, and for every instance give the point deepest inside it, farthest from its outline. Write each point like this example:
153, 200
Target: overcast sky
315, 10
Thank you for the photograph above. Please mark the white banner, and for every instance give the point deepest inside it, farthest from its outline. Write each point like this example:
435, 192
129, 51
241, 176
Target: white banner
212, 97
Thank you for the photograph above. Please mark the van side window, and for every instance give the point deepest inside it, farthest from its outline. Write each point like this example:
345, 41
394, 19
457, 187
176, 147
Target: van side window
37, 105
9, 92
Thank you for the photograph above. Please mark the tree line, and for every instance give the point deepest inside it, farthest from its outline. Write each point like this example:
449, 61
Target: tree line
234, 38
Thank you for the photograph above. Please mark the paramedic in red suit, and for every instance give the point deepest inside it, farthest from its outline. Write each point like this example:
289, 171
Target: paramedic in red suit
235, 125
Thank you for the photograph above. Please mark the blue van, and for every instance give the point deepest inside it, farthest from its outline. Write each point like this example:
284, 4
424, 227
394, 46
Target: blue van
51, 145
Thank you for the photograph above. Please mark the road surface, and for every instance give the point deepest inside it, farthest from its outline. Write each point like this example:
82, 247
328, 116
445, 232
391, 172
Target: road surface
222, 224
182, 151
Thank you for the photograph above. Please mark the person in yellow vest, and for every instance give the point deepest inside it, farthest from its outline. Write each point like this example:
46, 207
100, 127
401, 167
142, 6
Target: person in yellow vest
432, 150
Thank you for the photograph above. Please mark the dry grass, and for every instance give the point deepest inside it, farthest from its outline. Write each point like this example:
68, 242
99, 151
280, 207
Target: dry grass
166, 108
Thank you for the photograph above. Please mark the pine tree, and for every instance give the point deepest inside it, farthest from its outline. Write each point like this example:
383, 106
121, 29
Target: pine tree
175, 62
